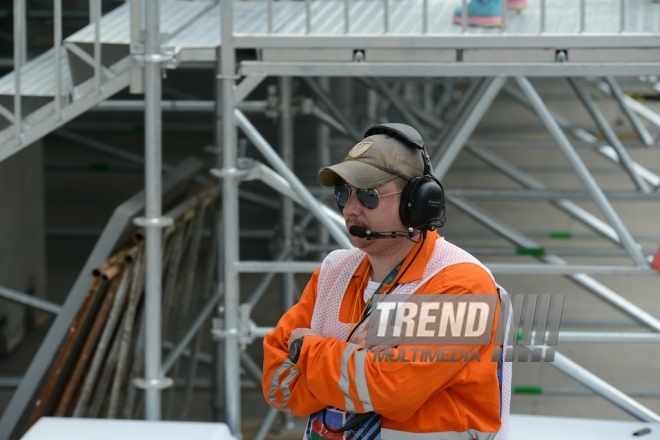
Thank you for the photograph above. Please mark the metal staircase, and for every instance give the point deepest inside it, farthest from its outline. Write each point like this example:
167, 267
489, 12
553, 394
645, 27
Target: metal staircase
94, 64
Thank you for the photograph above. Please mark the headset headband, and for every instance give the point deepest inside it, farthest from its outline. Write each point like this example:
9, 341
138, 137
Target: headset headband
408, 136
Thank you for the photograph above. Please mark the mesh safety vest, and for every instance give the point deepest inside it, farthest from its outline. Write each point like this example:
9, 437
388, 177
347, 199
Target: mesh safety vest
336, 273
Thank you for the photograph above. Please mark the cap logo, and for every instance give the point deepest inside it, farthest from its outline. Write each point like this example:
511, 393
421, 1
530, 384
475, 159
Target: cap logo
360, 149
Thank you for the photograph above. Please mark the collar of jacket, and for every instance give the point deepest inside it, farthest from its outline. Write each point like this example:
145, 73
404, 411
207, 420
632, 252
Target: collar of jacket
416, 271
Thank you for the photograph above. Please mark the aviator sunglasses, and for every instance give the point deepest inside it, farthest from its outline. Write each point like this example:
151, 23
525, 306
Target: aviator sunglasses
368, 197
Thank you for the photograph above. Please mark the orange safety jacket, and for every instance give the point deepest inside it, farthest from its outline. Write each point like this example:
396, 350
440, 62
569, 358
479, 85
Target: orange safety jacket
416, 399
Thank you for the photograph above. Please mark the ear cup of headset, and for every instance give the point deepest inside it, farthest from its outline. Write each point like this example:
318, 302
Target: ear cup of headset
422, 203
406, 201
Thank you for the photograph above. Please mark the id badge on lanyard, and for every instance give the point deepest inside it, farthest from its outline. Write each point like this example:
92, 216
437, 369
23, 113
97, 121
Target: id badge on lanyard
325, 424
336, 424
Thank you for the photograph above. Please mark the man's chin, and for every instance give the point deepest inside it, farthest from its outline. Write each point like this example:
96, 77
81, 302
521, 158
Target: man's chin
358, 242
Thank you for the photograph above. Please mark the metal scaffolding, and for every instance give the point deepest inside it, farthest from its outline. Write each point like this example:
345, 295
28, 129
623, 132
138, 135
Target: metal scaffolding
313, 36
373, 41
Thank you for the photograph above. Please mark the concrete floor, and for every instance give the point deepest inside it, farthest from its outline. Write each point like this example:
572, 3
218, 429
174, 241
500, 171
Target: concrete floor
80, 201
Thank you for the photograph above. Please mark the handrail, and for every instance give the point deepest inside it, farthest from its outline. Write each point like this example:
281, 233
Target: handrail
542, 15
465, 27
503, 26
57, 45
20, 59
18, 56
308, 16
95, 19
425, 16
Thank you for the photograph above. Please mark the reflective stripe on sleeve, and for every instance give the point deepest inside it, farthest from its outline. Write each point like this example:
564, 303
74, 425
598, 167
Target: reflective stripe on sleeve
274, 380
470, 434
344, 381
361, 380
286, 391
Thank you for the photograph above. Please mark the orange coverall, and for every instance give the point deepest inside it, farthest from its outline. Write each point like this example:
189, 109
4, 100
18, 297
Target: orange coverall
419, 397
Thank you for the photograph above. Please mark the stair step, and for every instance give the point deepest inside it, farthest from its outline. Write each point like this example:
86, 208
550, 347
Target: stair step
199, 40
78, 84
38, 78
115, 25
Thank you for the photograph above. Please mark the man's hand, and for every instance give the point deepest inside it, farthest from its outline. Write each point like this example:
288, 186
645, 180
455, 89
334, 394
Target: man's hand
361, 339
298, 332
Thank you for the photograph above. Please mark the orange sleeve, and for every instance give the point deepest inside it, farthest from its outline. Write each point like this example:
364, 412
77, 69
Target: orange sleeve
282, 384
349, 377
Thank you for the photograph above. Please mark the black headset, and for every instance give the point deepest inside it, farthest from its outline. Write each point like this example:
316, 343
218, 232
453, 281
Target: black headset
423, 198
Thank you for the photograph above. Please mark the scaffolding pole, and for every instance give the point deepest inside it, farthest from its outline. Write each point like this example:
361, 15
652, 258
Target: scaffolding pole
608, 133
300, 190
230, 236
153, 221
636, 123
604, 389
583, 280
565, 205
582, 172
29, 300
287, 213
323, 155
445, 156
286, 139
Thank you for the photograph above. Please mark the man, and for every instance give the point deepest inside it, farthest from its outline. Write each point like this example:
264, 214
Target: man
317, 361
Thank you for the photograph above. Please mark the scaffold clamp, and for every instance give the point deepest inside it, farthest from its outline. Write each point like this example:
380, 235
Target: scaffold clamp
219, 332
229, 172
234, 77
153, 384
213, 149
168, 58
561, 56
158, 222
246, 331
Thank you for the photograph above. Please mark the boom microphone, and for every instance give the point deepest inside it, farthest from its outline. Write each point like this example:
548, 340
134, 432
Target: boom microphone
358, 231
362, 232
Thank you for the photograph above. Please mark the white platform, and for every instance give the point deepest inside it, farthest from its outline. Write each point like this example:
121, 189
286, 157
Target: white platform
51, 428
564, 428
522, 427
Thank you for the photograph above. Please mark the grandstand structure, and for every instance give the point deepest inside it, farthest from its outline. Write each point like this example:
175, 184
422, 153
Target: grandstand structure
590, 43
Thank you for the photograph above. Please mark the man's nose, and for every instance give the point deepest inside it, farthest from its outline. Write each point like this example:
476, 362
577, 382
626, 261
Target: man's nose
352, 206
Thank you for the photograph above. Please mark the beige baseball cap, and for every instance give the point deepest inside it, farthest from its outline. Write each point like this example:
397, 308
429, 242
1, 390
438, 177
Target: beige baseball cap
374, 161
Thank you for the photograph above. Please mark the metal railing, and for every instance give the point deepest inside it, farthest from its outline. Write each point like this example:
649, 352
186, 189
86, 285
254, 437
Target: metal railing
425, 9
20, 59
19, 7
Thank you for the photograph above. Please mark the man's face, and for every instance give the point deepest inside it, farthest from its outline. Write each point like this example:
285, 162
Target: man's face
384, 218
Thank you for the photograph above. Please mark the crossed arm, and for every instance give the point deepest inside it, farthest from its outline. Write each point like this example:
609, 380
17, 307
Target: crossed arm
332, 372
